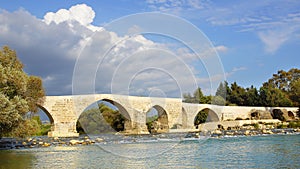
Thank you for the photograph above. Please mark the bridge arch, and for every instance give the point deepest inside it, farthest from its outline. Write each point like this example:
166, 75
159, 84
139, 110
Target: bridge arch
47, 113
122, 117
205, 115
159, 124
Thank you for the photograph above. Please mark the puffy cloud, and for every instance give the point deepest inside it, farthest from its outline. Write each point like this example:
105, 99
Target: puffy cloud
81, 13
104, 61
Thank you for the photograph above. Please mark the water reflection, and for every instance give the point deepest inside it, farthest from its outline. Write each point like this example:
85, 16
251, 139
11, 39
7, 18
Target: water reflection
15, 159
246, 152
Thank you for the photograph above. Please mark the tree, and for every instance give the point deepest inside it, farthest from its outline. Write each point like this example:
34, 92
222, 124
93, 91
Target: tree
251, 97
197, 97
295, 92
270, 96
19, 93
283, 79
100, 120
218, 100
237, 94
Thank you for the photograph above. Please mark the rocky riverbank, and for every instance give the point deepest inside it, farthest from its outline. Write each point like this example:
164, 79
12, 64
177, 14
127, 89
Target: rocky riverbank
40, 142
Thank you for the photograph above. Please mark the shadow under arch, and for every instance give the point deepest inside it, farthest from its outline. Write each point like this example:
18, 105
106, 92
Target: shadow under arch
47, 113
105, 122
159, 124
205, 115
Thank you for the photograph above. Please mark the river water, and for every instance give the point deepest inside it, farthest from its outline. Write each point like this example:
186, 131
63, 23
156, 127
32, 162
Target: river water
272, 151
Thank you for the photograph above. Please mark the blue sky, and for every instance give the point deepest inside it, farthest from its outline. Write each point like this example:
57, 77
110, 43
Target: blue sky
254, 39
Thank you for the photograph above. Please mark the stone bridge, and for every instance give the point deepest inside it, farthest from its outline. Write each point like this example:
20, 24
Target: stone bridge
64, 112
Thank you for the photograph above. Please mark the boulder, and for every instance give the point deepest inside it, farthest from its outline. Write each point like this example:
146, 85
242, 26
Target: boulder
74, 142
99, 140
46, 144
218, 132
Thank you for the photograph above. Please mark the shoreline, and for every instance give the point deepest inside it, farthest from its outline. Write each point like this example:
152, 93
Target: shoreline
84, 140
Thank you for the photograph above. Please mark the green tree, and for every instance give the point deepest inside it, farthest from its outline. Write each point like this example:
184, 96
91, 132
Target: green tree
251, 97
270, 96
197, 97
17, 97
237, 94
295, 92
100, 120
282, 80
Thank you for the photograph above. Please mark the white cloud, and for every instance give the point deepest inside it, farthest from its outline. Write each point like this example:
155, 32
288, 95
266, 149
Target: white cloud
50, 48
80, 13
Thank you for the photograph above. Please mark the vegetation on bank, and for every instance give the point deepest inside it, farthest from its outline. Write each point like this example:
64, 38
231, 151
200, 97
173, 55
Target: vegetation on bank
282, 90
100, 120
19, 94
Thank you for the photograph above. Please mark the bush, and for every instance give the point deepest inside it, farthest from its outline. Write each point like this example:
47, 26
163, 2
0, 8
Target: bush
294, 124
256, 126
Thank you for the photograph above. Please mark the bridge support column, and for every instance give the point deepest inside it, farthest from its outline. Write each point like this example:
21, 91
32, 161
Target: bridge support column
63, 130
137, 125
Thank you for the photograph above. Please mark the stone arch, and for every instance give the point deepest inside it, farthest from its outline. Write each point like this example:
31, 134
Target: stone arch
122, 110
205, 115
161, 124
47, 113
291, 115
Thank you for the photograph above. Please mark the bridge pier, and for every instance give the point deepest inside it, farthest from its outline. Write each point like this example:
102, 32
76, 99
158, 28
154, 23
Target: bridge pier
63, 130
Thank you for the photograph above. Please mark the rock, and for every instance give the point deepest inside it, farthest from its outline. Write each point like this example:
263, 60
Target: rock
247, 133
46, 144
218, 132
86, 137
99, 140
24, 143
230, 133
74, 142
55, 138
29, 139
41, 143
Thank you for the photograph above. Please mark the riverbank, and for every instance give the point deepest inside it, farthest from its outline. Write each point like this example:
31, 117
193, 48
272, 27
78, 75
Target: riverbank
84, 140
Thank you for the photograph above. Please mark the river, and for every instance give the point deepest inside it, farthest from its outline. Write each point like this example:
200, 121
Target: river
272, 151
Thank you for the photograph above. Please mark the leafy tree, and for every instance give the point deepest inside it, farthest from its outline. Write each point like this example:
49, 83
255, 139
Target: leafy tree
200, 118
282, 80
251, 97
295, 92
218, 100
19, 93
100, 120
197, 97
237, 94
223, 90
270, 96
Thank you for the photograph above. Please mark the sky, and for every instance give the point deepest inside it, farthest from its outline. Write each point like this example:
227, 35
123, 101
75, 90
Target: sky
159, 48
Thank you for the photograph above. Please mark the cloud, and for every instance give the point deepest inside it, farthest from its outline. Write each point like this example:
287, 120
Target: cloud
104, 61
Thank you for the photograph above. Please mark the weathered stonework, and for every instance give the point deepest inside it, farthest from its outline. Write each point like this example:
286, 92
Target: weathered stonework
64, 112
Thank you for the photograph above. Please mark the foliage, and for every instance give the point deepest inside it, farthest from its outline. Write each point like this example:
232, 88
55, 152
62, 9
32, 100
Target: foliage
150, 121
197, 97
27, 128
19, 93
218, 100
100, 120
283, 89
294, 124
201, 117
